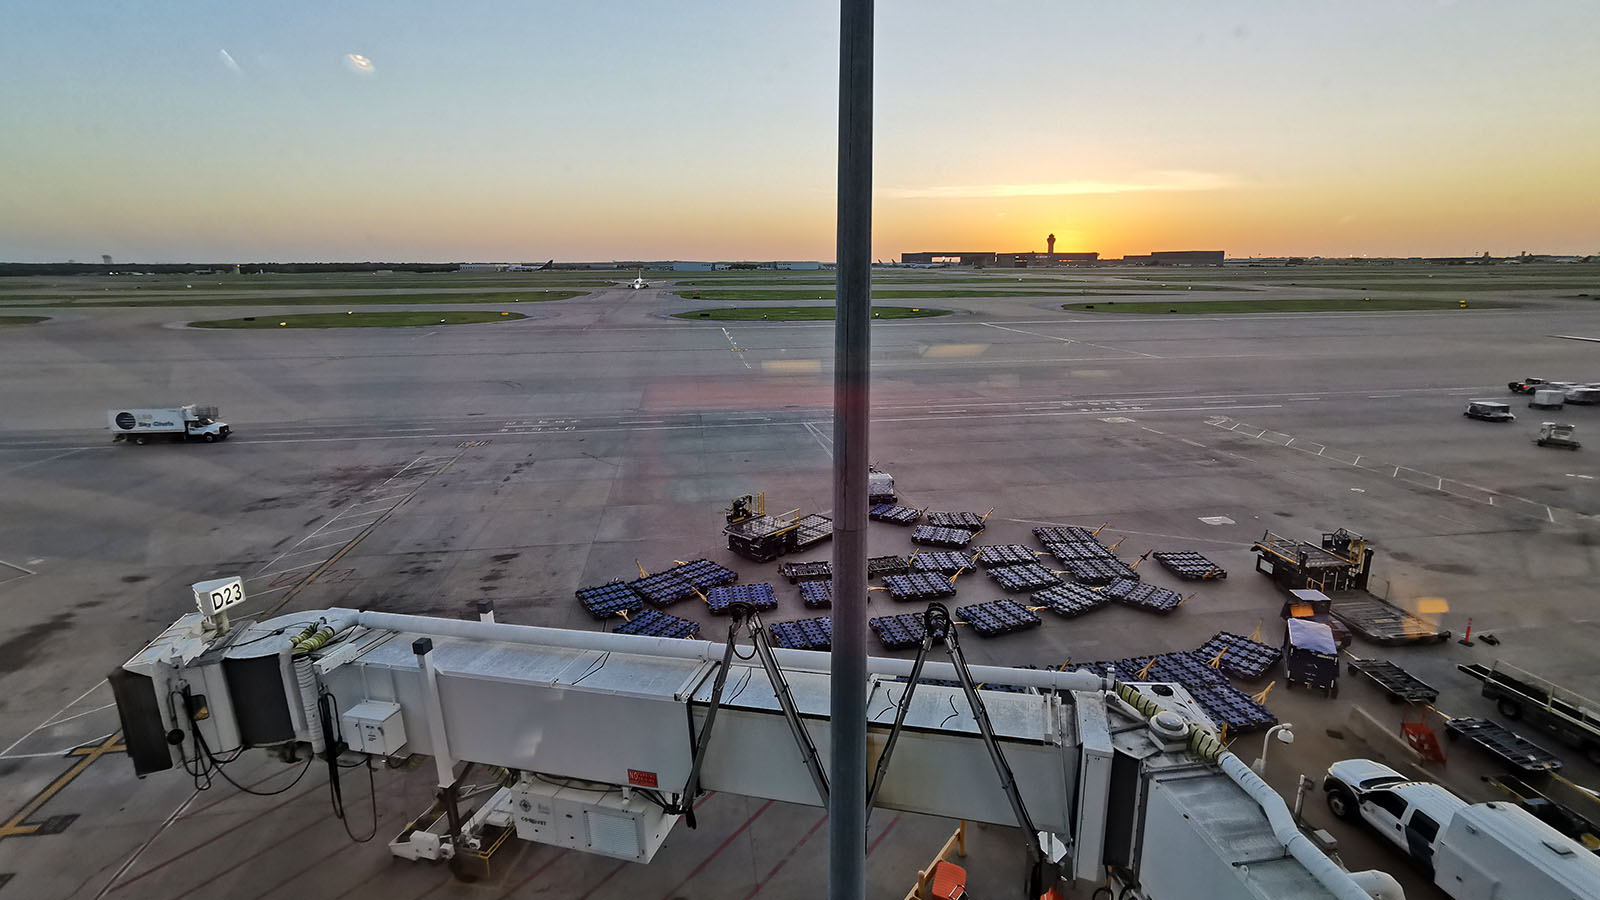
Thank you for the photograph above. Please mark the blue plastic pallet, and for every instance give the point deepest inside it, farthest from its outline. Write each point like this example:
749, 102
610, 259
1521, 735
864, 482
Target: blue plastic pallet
946, 562
663, 588
801, 571
759, 596
609, 599
803, 634
1070, 599
964, 521
940, 537
1190, 565
1096, 572
703, 573
1242, 657
900, 632
919, 586
998, 617
895, 515
1079, 550
1027, 577
652, 623
1063, 534
1005, 555
1143, 596
1227, 705
879, 566
817, 594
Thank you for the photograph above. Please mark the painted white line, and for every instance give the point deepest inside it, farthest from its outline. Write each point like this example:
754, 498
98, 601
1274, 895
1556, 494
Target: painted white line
1575, 337
18, 568
642, 422
54, 722
1191, 443
409, 429
286, 433
1550, 513
40, 462
57, 713
281, 571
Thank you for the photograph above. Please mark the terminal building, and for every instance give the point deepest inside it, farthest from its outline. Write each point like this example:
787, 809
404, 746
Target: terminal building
1177, 258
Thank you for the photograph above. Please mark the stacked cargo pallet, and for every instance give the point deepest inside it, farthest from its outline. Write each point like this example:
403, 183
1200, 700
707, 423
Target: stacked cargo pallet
1097, 572
1070, 600
803, 571
651, 623
704, 574
758, 596
1189, 565
963, 521
894, 515
918, 586
663, 588
817, 594
1026, 577
803, 634
937, 536
1143, 596
609, 599
993, 555
1241, 657
879, 566
945, 562
998, 617
900, 632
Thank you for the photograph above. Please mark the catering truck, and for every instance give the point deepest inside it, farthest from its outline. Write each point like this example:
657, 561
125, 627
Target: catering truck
179, 422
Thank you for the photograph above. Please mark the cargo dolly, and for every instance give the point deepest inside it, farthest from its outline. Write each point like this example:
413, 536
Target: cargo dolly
817, 594
610, 599
1343, 561
755, 535
1400, 685
1519, 694
1499, 741
1380, 621
1143, 596
1075, 551
965, 521
1064, 534
755, 596
998, 617
803, 634
1190, 565
902, 631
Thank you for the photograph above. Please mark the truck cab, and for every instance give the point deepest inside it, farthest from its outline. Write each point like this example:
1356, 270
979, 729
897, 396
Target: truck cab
1408, 814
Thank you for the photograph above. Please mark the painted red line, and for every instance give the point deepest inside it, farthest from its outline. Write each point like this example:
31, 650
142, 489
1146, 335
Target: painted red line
786, 857
720, 847
596, 886
884, 833
250, 820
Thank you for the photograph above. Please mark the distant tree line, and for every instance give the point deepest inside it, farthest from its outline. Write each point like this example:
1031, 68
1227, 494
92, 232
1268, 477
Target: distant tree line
75, 268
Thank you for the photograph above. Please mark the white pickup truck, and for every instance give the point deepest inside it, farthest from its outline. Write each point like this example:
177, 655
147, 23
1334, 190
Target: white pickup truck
1472, 851
178, 422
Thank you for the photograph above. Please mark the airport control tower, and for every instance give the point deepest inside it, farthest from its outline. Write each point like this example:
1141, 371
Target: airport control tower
1050, 245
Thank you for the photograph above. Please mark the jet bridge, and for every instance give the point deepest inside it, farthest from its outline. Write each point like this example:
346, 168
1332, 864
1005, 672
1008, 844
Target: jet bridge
605, 740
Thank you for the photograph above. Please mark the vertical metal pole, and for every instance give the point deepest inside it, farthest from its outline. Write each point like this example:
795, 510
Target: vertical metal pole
443, 763
847, 806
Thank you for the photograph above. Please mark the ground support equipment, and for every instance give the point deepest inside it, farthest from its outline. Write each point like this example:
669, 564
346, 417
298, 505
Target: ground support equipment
1026, 577
756, 596
817, 594
879, 566
1189, 565
803, 634
1240, 657
935, 536
964, 521
1399, 684
1382, 622
663, 588
894, 515
1064, 534
609, 599
797, 572
919, 586
1070, 600
944, 562
998, 617
1499, 741
993, 555
652, 623
1143, 596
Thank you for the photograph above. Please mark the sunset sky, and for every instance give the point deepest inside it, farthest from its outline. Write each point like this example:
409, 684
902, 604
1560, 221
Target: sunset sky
484, 130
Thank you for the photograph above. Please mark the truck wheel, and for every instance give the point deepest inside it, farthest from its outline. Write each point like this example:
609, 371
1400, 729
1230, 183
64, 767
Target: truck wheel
210, 438
1340, 803
1509, 709
141, 440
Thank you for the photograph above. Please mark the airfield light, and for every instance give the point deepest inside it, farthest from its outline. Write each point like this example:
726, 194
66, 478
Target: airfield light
283, 323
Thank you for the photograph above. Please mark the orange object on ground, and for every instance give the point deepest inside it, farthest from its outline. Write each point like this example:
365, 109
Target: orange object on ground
949, 882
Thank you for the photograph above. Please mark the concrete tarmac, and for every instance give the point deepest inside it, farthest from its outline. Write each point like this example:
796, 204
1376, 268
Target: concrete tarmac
420, 470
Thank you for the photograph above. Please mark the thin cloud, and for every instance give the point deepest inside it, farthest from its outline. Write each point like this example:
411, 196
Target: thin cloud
1150, 181
228, 60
